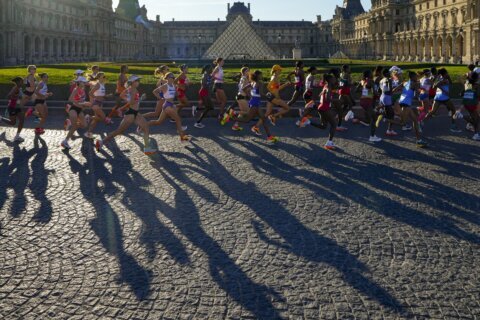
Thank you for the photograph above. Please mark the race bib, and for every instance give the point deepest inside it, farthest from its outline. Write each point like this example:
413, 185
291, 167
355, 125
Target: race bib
365, 92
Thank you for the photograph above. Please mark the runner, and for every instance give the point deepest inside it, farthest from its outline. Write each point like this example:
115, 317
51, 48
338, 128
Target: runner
14, 110
169, 109
386, 103
122, 80
73, 83
299, 82
410, 113
244, 87
97, 95
30, 85
182, 82
159, 74
254, 108
442, 97
336, 102
204, 95
327, 116
132, 115
273, 96
424, 96
471, 96
367, 103
76, 115
310, 84
345, 92
218, 76
41, 95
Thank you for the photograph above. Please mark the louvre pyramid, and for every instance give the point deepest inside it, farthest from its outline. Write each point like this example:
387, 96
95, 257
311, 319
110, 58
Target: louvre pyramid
238, 40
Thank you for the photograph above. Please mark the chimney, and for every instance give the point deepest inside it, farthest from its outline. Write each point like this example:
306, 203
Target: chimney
249, 7
158, 18
319, 18
228, 6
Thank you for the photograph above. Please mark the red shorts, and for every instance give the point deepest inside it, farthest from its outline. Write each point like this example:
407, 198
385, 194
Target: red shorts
344, 91
12, 103
203, 93
471, 108
365, 103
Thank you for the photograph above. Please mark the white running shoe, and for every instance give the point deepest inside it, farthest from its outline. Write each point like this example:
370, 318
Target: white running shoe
199, 125
375, 139
407, 127
65, 144
194, 110
88, 135
349, 116
184, 128
139, 130
470, 127
172, 121
67, 124
18, 139
330, 145
297, 123
476, 137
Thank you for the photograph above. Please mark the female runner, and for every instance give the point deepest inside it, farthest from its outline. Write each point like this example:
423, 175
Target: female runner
424, 97
169, 109
76, 115
310, 84
30, 85
41, 95
367, 103
218, 76
345, 91
97, 96
254, 108
244, 87
470, 102
204, 95
327, 116
122, 80
182, 82
386, 102
132, 115
14, 111
273, 96
299, 82
160, 73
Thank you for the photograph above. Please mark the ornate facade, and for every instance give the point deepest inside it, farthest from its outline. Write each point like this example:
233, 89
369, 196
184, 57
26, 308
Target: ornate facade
56, 31
445, 31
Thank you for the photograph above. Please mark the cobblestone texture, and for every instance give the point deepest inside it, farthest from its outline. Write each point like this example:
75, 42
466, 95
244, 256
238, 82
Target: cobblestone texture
230, 227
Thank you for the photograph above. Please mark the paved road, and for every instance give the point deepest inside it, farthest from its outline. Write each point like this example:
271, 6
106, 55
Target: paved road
230, 227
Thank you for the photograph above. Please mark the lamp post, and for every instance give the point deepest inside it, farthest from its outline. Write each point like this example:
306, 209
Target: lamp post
279, 37
365, 36
461, 45
199, 37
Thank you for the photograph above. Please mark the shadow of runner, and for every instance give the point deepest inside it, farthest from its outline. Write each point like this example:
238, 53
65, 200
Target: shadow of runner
252, 296
106, 223
300, 240
39, 183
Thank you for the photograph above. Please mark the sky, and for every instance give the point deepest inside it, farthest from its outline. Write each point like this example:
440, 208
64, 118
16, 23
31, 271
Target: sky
261, 9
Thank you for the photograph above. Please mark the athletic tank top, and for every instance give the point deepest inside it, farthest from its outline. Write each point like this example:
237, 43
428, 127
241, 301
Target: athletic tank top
170, 94
273, 85
298, 79
129, 96
79, 96
183, 81
386, 87
120, 87
425, 84
344, 85
407, 94
443, 92
29, 84
366, 92
44, 90
470, 97
325, 100
100, 92
309, 82
219, 75
242, 84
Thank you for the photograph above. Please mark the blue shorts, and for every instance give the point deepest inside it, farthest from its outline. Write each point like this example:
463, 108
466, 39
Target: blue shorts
423, 96
255, 102
168, 104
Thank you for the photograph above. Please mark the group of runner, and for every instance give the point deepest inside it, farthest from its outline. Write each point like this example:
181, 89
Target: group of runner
388, 94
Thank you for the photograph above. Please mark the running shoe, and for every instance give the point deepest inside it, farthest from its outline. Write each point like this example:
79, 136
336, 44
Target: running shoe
108, 121
194, 110
88, 135
139, 130
300, 113
341, 129
272, 120
65, 144
67, 108
455, 129
272, 139
421, 143
172, 121
225, 119
184, 128
149, 151
256, 130
18, 139
470, 127
476, 137
391, 133
407, 127
363, 123
330, 145
185, 138
67, 124
297, 123
99, 145
29, 112
232, 114
349, 116
375, 139
236, 127
199, 125
304, 122
379, 119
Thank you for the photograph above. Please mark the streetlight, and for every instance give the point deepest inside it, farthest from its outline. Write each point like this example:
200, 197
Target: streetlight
461, 46
365, 36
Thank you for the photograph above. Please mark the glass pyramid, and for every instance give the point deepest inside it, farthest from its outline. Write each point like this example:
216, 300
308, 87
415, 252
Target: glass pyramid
240, 41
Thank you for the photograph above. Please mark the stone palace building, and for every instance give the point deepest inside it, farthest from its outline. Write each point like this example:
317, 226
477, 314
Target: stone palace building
55, 31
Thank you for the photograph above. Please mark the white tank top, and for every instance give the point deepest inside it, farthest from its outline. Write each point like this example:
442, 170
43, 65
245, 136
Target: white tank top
425, 84
170, 94
44, 90
242, 84
100, 91
219, 75
309, 83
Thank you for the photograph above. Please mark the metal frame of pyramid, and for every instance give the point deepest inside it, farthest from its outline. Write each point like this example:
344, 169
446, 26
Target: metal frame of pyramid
240, 40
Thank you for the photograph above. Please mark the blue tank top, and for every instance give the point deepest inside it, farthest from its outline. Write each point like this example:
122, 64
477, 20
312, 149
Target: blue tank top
255, 100
407, 94
443, 93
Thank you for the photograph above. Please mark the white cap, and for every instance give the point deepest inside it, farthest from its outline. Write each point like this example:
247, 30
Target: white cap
81, 79
134, 78
78, 72
395, 68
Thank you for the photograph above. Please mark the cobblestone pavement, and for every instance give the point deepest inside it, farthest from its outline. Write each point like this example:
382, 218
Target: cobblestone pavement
230, 227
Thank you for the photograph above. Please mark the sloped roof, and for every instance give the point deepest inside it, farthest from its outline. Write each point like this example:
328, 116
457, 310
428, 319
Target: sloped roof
238, 39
